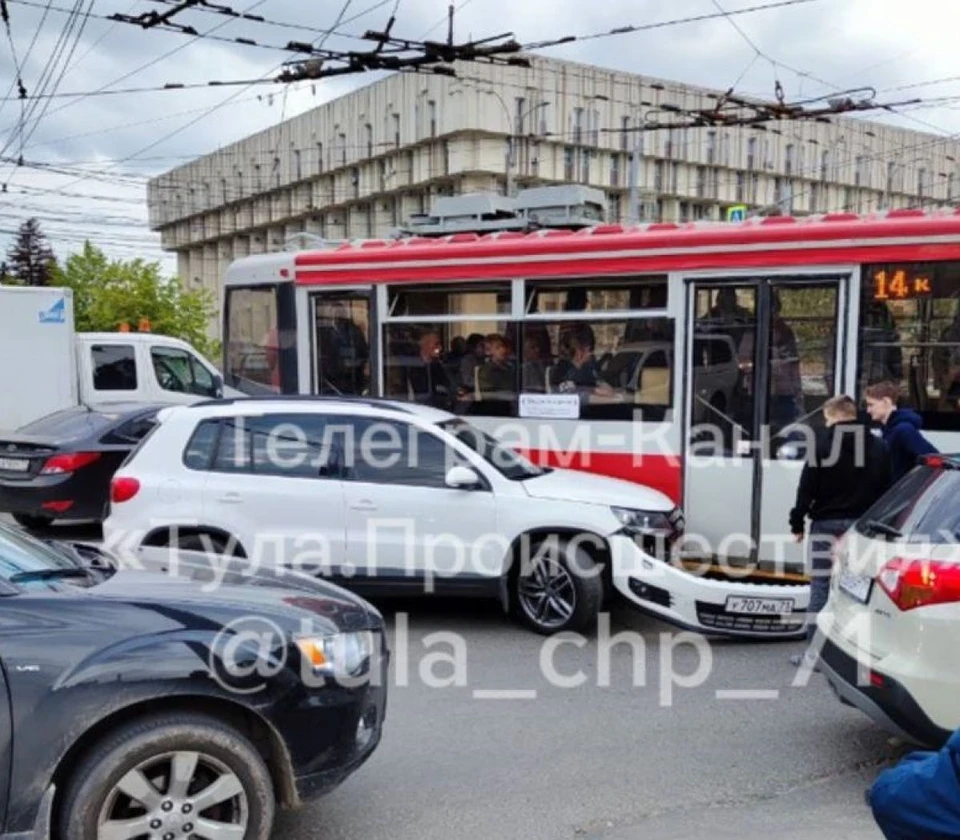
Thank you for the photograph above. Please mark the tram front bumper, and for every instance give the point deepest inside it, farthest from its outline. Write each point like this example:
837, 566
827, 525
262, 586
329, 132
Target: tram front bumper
706, 604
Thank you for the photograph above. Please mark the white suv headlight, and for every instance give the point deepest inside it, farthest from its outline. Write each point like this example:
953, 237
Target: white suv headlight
644, 521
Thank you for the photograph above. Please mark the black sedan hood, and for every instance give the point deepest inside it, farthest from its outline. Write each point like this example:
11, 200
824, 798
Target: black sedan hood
313, 602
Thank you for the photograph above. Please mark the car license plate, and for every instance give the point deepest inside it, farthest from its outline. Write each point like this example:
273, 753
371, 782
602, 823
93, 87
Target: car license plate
14, 464
856, 586
759, 606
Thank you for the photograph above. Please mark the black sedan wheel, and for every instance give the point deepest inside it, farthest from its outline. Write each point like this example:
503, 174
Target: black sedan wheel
170, 776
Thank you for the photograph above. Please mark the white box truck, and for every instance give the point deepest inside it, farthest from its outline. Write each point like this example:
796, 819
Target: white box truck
46, 365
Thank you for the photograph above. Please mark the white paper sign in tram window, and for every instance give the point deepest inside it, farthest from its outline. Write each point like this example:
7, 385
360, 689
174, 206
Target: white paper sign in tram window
550, 406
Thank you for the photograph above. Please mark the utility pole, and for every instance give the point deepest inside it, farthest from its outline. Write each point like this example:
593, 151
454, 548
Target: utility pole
633, 211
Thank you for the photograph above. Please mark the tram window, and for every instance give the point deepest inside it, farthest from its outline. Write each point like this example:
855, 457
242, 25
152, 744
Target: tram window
342, 345
459, 300
469, 367
615, 366
597, 295
251, 351
910, 334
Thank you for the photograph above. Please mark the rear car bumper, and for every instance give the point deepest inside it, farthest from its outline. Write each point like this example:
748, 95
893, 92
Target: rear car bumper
29, 496
701, 604
885, 701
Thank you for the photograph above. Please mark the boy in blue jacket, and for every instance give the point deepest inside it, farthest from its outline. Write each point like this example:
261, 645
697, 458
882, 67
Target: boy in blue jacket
901, 428
919, 799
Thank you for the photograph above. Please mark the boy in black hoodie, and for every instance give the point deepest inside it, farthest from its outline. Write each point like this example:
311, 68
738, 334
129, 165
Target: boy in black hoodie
848, 471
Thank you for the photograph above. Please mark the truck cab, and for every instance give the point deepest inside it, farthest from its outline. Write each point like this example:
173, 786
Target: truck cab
143, 367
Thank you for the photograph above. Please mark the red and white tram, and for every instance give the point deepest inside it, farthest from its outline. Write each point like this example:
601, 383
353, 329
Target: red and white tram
681, 356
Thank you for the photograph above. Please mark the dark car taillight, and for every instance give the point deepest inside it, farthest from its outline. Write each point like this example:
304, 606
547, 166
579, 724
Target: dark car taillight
123, 489
68, 462
920, 583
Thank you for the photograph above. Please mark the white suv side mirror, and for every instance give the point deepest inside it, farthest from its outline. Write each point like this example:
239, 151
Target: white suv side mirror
462, 478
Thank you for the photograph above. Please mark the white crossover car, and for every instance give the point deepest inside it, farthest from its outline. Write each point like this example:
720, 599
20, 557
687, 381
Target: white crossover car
388, 497
889, 635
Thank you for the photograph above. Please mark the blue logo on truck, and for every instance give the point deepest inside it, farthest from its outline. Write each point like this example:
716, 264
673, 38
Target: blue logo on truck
56, 314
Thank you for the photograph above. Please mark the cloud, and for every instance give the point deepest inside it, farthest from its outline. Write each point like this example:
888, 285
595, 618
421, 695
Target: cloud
103, 144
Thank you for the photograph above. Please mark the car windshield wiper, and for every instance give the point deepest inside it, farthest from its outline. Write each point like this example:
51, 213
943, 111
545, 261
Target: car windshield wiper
48, 574
881, 528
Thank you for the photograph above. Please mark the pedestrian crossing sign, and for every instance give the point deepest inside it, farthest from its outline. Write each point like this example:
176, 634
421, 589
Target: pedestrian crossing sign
737, 213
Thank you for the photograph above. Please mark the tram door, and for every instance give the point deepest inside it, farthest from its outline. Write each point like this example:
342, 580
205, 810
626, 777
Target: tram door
764, 354
341, 332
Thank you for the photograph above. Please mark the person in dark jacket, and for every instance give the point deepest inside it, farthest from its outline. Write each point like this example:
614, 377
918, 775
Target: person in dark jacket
847, 471
901, 428
919, 799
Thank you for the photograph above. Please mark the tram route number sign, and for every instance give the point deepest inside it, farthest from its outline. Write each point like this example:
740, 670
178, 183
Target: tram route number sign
900, 284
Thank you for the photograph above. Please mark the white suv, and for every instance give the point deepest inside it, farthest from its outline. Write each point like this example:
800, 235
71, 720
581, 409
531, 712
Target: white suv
388, 497
890, 632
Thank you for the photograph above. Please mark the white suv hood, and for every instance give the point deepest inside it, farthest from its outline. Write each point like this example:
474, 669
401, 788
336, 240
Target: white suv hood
589, 488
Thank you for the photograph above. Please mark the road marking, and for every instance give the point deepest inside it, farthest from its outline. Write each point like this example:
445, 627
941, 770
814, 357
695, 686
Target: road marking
505, 694
748, 694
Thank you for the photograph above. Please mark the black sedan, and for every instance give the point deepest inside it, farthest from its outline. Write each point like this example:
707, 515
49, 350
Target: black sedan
60, 466
136, 705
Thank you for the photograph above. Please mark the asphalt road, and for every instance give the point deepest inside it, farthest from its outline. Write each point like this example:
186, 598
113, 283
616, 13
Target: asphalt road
612, 761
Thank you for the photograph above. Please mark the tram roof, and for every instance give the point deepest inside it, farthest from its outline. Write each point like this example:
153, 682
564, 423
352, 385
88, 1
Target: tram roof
834, 240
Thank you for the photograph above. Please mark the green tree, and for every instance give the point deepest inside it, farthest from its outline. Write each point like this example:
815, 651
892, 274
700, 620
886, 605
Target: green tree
30, 260
112, 294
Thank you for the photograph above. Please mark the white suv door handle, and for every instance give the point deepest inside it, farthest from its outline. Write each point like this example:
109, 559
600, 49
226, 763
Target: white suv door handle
230, 498
363, 504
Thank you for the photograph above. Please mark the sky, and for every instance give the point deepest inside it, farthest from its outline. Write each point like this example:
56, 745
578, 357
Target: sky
86, 159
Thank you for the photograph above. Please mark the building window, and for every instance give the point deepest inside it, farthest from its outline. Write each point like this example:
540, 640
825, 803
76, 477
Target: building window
752, 153
624, 132
544, 116
670, 147
675, 178
396, 131
355, 181
615, 170
382, 173
578, 126
568, 155
297, 165
585, 167
343, 149
595, 128
658, 176
369, 137
432, 115
701, 182
891, 172
740, 194
754, 187
715, 183
847, 199
788, 163
825, 165
951, 185
922, 182
223, 190
815, 198
858, 171
711, 147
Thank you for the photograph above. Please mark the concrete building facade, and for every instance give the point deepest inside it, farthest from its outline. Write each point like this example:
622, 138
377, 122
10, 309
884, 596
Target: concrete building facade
361, 165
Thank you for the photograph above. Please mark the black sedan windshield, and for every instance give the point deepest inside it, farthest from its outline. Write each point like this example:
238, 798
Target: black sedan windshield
509, 463
22, 555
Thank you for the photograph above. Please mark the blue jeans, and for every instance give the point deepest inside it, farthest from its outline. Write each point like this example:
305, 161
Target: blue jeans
823, 537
